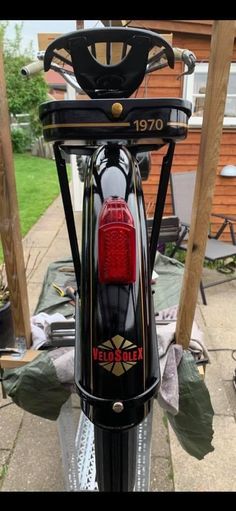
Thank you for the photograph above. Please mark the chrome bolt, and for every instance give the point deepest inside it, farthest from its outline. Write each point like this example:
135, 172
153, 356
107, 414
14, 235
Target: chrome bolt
118, 407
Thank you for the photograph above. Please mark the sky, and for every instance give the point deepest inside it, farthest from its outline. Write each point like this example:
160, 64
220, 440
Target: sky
32, 27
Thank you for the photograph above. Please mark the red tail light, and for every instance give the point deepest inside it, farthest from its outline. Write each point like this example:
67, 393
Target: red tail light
116, 243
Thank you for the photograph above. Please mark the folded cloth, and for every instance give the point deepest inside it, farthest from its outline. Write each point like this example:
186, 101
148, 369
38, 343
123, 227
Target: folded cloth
63, 361
168, 314
170, 355
40, 327
196, 345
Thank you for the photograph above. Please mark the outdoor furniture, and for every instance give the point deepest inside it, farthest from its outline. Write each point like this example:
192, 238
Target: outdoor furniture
182, 190
169, 230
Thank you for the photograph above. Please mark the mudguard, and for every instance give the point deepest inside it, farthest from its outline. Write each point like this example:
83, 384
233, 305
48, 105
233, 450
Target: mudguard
116, 346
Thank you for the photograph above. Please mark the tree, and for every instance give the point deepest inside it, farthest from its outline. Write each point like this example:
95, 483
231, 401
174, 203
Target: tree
24, 94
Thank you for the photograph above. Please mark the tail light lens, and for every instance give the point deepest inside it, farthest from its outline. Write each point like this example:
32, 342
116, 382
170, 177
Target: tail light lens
116, 243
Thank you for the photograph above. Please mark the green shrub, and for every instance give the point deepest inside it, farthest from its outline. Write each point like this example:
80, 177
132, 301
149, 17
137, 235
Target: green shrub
20, 140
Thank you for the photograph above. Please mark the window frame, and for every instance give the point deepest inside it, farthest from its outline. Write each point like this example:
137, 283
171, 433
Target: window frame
188, 87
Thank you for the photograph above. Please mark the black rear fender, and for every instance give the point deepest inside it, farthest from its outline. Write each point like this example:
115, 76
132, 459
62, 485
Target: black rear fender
116, 344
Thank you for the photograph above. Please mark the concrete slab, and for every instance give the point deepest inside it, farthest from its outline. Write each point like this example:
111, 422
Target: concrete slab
37, 276
10, 424
60, 249
52, 223
33, 256
4, 400
4, 458
231, 395
35, 464
211, 275
63, 233
34, 289
216, 387
220, 309
219, 317
224, 342
41, 238
4, 455
217, 471
161, 475
160, 437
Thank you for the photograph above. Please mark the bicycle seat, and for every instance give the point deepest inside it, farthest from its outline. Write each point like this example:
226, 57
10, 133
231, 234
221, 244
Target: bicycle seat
78, 50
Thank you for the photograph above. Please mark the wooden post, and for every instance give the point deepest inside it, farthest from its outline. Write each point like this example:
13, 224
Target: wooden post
79, 24
10, 224
112, 23
222, 44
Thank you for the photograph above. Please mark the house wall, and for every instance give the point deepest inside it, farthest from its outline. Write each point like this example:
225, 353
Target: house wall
165, 84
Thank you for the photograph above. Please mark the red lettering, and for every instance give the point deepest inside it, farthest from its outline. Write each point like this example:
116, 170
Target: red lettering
95, 353
100, 355
118, 355
129, 356
111, 356
140, 353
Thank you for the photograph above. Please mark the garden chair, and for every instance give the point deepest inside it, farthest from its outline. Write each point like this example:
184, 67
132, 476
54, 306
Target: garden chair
182, 190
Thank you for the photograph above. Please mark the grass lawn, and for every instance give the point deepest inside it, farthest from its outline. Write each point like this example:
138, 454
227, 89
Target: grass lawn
37, 187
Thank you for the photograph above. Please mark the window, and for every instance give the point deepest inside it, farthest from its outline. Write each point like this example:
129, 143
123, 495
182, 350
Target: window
194, 91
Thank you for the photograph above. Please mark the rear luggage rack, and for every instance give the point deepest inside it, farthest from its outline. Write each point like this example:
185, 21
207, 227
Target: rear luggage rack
140, 121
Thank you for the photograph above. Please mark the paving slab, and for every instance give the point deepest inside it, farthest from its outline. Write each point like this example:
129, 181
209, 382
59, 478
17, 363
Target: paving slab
161, 475
4, 457
41, 238
37, 275
217, 471
59, 250
160, 437
48, 223
33, 255
231, 395
10, 423
34, 289
35, 464
216, 387
4, 400
63, 233
224, 342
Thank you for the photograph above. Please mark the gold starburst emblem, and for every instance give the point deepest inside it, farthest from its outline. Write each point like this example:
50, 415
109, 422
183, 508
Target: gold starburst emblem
117, 355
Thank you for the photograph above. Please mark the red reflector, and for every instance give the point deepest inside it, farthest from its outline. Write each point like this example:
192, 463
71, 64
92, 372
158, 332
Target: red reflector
116, 243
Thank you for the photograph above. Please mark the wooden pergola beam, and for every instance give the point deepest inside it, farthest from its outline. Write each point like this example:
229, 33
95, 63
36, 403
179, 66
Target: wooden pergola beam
10, 224
222, 44
200, 27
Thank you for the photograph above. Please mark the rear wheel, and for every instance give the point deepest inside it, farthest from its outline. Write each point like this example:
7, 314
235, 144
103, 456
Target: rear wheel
115, 453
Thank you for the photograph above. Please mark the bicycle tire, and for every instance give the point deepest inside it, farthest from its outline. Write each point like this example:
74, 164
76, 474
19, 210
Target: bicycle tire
115, 454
